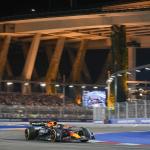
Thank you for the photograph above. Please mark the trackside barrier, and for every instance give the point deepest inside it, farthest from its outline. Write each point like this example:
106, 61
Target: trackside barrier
45, 119
112, 121
130, 121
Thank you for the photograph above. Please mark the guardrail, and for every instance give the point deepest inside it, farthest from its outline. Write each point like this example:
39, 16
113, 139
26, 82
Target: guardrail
128, 110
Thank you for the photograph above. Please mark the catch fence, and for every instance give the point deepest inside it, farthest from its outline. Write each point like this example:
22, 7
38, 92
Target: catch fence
127, 110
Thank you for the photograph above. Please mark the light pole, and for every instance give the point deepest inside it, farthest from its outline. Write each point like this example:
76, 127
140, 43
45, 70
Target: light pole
116, 84
64, 91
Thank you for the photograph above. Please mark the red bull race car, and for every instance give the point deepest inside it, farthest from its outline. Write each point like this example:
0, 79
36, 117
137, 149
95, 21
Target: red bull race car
54, 132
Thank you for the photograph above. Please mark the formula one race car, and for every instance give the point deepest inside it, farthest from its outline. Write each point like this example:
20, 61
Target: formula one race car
54, 132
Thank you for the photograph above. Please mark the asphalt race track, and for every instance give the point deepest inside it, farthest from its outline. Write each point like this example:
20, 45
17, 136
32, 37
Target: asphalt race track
107, 138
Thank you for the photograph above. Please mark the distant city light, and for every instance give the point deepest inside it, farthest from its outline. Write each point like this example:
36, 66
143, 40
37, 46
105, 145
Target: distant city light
33, 10
71, 86
43, 84
128, 73
9, 83
26, 84
57, 85
119, 75
83, 86
95, 87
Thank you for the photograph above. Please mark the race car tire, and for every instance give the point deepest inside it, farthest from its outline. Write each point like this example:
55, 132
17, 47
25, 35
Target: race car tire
53, 135
30, 133
56, 135
59, 135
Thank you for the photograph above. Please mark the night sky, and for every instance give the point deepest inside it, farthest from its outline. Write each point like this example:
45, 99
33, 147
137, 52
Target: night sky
142, 58
21, 7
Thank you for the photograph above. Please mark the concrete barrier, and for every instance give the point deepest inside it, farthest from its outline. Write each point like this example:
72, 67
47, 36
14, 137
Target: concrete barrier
78, 124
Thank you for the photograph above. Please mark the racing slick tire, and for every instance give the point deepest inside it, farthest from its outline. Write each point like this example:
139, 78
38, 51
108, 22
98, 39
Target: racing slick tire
56, 135
59, 135
53, 135
30, 133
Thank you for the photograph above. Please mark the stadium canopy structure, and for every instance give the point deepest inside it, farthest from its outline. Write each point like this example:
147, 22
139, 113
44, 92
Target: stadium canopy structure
128, 5
81, 32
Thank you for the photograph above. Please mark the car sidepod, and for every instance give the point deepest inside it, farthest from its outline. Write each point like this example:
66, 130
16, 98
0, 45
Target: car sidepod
86, 135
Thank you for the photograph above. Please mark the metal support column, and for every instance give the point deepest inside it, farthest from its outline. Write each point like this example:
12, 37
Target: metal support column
54, 65
25, 53
3, 54
85, 70
30, 62
120, 59
78, 64
31, 57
